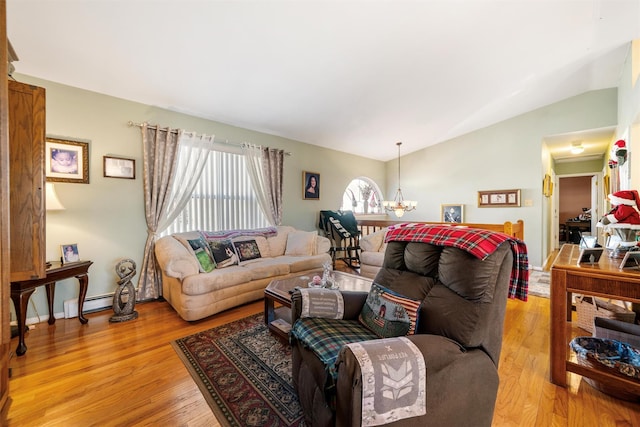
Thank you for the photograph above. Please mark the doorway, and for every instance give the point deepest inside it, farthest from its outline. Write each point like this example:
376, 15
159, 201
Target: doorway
578, 207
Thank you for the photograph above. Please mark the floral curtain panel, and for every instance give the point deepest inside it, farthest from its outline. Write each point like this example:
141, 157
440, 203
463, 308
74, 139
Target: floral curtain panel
172, 163
265, 166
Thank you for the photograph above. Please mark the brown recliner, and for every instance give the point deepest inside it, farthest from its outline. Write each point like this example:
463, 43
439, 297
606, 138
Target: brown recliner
459, 333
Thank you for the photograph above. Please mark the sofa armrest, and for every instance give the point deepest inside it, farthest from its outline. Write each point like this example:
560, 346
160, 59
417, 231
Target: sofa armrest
353, 302
174, 259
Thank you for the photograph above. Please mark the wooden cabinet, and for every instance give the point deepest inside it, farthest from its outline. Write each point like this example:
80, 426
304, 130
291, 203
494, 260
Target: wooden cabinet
5, 329
26, 179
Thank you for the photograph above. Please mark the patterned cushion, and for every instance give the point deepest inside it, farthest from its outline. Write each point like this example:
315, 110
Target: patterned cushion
224, 253
388, 314
199, 248
325, 337
247, 249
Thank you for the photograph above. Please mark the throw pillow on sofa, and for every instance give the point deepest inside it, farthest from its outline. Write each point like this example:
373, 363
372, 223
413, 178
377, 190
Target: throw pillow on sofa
199, 248
301, 243
389, 314
374, 241
224, 253
247, 250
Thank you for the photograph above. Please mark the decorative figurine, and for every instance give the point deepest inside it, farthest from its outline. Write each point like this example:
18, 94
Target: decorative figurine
622, 221
124, 298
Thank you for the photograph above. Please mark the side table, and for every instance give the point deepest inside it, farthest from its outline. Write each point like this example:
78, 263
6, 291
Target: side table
21, 292
603, 279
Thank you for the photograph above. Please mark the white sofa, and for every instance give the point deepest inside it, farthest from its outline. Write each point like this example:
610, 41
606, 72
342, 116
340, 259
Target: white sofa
372, 248
195, 294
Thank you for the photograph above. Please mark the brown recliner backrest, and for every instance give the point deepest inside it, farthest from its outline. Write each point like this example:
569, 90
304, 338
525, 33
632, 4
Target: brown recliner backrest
464, 298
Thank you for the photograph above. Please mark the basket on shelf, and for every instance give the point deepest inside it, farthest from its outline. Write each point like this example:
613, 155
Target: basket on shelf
613, 357
588, 308
613, 329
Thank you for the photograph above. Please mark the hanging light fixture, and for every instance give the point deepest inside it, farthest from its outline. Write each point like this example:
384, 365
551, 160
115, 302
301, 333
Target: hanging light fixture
398, 205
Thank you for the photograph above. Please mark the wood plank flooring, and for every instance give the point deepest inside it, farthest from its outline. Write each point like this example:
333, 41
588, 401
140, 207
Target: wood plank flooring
125, 374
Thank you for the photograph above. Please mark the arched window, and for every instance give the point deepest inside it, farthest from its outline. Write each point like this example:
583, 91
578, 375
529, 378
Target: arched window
362, 196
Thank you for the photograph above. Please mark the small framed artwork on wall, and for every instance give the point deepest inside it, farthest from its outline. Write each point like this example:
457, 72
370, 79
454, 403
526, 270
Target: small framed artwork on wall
498, 198
311, 185
119, 167
66, 161
452, 213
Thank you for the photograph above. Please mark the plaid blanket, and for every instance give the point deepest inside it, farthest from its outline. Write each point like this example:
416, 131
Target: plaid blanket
477, 242
326, 337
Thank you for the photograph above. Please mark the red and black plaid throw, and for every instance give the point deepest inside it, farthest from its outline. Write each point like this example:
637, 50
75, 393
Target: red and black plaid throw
479, 243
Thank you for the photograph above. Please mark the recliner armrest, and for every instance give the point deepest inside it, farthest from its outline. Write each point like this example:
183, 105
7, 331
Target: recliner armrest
353, 302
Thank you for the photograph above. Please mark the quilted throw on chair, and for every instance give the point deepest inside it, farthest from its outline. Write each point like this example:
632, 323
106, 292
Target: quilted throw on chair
394, 387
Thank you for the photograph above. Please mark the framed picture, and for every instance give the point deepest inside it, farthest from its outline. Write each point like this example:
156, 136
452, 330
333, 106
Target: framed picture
311, 185
547, 186
66, 161
69, 253
452, 213
498, 198
119, 167
590, 255
631, 259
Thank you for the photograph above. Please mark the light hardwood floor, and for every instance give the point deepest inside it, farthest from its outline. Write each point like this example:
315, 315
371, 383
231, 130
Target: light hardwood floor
127, 374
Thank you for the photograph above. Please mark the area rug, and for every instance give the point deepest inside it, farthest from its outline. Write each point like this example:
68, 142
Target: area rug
539, 283
244, 373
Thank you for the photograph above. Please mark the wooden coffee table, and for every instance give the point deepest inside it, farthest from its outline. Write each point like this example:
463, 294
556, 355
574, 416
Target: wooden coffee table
279, 292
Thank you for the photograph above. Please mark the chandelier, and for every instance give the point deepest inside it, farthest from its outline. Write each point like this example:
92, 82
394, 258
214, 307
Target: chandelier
399, 205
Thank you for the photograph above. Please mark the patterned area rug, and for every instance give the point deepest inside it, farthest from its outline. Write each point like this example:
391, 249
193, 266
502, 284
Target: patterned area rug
539, 283
244, 373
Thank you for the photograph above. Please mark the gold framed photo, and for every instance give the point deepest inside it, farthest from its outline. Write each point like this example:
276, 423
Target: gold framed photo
547, 186
499, 198
66, 161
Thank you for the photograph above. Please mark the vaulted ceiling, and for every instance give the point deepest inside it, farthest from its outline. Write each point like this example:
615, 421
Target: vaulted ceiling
354, 76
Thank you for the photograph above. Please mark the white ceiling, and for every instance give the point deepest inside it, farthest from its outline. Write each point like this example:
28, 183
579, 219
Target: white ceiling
355, 76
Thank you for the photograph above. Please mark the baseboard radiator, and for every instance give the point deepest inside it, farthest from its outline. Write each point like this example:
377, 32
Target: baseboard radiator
91, 304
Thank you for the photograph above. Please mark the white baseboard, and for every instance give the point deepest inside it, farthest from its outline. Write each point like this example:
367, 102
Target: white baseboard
94, 303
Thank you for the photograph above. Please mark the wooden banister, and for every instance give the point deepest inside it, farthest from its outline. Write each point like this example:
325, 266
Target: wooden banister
368, 226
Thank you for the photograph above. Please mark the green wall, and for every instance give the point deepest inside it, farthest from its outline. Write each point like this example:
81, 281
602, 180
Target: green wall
507, 155
106, 217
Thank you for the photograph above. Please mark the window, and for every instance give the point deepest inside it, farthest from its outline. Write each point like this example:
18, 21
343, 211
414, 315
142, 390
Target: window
362, 196
223, 198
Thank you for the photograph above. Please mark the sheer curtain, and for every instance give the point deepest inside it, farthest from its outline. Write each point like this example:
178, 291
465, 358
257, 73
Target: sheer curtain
172, 163
265, 166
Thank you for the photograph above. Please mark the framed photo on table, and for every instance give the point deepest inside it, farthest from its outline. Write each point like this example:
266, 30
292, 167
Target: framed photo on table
452, 213
69, 253
66, 161
498, 198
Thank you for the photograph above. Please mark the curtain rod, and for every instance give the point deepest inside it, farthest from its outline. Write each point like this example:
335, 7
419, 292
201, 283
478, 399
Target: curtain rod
131, 123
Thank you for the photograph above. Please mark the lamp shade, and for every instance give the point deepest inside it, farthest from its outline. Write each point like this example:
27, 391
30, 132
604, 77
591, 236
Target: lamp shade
52, 201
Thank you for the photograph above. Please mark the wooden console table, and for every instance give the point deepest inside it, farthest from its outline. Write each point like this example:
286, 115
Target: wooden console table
21, 292
604, 280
